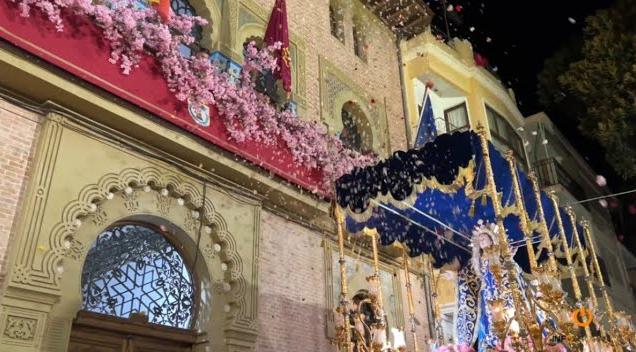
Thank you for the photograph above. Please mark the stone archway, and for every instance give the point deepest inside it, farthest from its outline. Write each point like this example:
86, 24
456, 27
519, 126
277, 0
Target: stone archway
357, 133
349, 100
212, 31
155, 196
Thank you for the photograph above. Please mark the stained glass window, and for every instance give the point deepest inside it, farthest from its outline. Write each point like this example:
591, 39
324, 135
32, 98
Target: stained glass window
133, 268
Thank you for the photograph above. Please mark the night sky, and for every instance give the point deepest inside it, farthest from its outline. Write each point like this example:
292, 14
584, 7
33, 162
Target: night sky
516, 37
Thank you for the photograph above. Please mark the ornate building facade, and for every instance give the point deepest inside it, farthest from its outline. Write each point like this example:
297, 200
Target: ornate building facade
125, 227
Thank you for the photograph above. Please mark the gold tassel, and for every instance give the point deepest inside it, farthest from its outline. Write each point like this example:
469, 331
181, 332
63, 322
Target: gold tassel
471, 212
484, 200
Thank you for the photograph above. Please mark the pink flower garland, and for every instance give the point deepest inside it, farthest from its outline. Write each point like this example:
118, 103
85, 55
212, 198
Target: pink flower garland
454, 348
246, 114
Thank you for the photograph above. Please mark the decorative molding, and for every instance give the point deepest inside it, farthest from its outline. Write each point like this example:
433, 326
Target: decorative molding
163, 204
57, 334
131, 201
100, 218
24, 271
159, 180
19, 328
191, 223
77, 250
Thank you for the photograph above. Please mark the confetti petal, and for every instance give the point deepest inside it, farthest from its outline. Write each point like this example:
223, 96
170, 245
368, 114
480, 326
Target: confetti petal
572, 20
601, 181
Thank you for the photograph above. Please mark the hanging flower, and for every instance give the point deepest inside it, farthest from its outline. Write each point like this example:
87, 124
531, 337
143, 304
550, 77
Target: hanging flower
246, 113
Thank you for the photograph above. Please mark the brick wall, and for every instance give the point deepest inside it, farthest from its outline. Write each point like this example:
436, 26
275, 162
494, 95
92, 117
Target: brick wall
292, 292
379, 77
17, 142
292, 297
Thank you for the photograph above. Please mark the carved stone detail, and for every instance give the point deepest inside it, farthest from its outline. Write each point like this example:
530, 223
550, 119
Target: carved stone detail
100, 218
19, 328
21, 274
77, 250
209, 251
131, 201
163, 204
159, 179
191, 223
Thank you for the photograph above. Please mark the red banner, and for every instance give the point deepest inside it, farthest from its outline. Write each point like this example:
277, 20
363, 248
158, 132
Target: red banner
81, 50
278, 31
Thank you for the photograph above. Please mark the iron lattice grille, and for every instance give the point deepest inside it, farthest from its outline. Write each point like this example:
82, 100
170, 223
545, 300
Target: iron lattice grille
132, 268
183, 7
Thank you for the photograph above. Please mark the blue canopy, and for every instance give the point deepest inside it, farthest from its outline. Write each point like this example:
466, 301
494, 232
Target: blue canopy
411, 197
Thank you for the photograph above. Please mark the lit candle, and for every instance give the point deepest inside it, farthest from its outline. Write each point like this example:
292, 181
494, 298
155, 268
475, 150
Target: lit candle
379, 336
496, 306
514, 326
399, 340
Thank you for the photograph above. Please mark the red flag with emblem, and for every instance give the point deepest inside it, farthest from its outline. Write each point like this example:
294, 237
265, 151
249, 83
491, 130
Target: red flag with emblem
278, 31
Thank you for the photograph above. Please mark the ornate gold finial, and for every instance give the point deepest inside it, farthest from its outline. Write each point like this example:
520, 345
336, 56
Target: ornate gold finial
509, 154
552, 194
532, 176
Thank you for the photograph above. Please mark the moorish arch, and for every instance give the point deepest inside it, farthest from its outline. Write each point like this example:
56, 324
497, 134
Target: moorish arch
209, 10
358, 116
173, 207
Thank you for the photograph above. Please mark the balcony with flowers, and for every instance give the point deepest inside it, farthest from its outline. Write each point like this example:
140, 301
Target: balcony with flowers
125, 48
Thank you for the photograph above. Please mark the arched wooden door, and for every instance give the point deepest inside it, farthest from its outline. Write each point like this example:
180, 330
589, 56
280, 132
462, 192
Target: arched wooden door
138, 295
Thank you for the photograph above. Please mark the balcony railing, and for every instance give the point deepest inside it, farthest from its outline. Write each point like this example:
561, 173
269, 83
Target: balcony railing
550, 173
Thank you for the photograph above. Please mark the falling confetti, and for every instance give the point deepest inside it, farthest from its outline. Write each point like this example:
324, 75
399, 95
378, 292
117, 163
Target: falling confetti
472, 29
488, 39
601, 181
544, 142
572, 20
480, 60
603, 203
632, 209
449, 8
458, 8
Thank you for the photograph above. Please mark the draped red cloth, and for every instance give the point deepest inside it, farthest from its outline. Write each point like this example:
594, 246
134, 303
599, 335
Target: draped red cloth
163, 9
278, 31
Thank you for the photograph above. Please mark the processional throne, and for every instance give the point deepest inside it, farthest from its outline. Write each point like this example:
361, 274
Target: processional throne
430, 200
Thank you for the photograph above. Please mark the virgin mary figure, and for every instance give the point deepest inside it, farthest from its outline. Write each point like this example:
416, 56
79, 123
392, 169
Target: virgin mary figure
482, 281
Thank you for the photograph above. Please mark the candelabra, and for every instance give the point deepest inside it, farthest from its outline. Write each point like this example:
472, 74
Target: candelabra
368, 330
